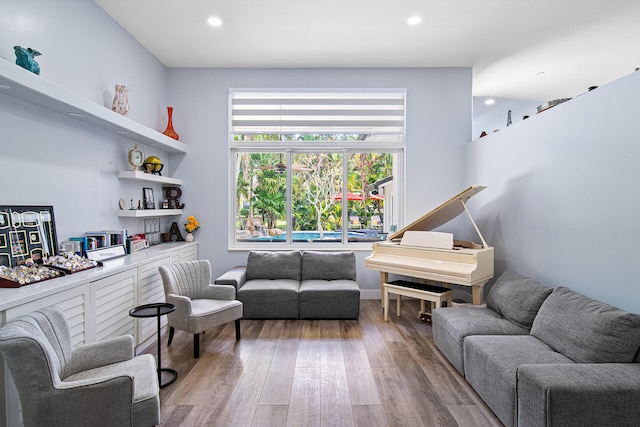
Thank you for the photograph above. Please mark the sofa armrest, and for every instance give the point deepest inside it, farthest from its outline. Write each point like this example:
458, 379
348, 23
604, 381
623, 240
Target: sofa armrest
578, 394
234, 277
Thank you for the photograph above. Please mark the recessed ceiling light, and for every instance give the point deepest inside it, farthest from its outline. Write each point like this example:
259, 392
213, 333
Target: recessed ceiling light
540, 74
414, 20
75, 114
489, 101
5, 87
214, 21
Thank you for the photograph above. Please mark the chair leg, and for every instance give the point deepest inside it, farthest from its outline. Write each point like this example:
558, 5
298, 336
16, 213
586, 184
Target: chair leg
196, 346
171, 331
237, 329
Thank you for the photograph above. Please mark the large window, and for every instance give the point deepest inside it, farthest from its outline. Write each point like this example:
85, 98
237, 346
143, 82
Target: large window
315, 168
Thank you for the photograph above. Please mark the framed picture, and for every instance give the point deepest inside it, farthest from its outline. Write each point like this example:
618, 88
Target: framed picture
26, 232
147, 196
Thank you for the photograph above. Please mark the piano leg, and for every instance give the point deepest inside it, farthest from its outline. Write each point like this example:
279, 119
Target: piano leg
384, 277
476, 292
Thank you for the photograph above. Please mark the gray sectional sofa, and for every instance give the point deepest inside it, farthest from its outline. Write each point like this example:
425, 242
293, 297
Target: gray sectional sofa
296, 285
541, 356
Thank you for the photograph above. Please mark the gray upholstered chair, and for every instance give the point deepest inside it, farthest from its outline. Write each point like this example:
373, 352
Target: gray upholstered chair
89, 385
200, 305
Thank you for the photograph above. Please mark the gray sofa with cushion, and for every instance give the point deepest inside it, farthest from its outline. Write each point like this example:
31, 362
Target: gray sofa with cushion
296, 284
541, 356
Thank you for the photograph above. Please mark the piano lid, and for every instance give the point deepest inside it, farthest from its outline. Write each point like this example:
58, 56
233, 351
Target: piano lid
444, 213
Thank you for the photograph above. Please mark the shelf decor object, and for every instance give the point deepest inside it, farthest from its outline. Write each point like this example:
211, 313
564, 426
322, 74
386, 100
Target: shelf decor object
25, 58
169, 131
26, 232
121, 100
135, 157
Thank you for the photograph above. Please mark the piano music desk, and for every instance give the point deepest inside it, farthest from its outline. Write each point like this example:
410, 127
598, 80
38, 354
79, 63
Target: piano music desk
436, 295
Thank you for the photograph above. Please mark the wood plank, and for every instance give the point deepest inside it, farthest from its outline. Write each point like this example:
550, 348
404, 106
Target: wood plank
243, 402
398, 404
304, 408
369, 416
277, 386
362, 384
468, 416
270, 416
335, 401
175, 415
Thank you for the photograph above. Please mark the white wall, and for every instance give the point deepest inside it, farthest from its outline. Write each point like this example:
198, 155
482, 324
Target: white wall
51, 159
438, 127
562, 203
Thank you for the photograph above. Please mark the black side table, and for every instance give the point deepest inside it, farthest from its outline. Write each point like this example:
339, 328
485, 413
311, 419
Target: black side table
157, 310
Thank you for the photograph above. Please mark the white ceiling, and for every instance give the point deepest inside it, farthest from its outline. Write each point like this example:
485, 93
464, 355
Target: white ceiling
575, 43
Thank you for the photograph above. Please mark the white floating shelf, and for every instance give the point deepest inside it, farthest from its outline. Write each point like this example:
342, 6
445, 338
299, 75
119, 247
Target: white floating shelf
148, 212
143, 176
20, 83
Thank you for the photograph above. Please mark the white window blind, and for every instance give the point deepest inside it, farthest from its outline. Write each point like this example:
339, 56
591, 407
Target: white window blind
363, 113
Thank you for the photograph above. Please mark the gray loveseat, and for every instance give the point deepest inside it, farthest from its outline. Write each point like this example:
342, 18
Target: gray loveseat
296, 284
540, 356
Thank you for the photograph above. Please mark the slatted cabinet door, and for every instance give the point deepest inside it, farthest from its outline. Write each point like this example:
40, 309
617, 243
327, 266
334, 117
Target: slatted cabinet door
73, 302
112, 298
150, 290
189, 253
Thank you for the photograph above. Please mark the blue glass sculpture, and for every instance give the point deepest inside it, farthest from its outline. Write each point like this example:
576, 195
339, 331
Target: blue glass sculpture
25, 58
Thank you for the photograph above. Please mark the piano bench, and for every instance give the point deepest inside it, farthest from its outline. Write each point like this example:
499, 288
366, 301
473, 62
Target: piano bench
436, 295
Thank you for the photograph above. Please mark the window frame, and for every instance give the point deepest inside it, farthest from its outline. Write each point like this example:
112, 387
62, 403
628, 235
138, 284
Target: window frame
346, 148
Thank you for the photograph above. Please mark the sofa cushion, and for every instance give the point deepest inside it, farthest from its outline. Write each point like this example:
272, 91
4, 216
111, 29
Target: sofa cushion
451, 326
269, 299
328, 265
586, 330
329, 299
517, 298
491, 364
273, 265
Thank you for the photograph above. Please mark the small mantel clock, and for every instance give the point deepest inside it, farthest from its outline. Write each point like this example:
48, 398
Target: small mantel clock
135, 157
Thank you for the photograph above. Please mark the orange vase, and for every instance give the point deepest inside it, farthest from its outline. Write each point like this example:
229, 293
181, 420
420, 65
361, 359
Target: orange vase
169, 131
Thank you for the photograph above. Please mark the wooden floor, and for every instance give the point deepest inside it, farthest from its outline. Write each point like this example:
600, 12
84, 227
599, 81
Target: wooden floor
318, 373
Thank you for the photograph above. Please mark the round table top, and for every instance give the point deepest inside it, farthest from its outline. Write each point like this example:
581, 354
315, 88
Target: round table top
152, 310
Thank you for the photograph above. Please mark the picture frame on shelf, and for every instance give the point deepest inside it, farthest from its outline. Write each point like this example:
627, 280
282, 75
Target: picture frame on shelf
147, 197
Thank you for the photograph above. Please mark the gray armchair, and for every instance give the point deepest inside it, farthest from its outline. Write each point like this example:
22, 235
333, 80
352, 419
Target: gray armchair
89, 385
199, 304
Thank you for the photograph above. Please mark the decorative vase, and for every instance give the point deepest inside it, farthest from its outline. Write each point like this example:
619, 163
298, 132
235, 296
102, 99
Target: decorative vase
169, 131
189, 237
121, 100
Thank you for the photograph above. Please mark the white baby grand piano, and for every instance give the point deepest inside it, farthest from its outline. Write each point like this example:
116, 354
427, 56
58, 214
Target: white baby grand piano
415, 251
